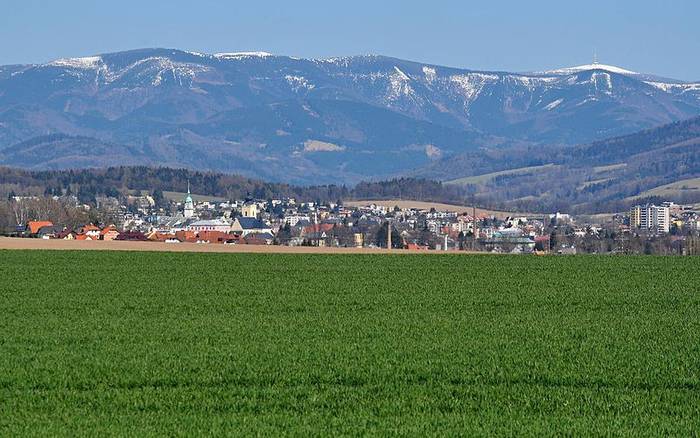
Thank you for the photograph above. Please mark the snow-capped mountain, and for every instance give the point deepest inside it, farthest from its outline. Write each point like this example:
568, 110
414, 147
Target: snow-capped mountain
318, 120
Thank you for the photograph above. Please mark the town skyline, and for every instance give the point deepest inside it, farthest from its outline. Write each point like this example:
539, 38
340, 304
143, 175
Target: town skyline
668, 228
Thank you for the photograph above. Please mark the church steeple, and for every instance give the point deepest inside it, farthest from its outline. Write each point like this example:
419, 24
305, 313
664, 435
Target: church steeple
189, 204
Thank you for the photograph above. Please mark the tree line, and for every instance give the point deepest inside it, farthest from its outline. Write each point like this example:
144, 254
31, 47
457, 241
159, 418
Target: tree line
87, 184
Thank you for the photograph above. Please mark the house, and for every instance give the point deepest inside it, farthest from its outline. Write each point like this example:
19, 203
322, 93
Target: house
317, 228
109, 233
258, 239
359, 240
316, 238
157, 236
131, 236
186, 236
66, 234
249, 225
220, 225
294, 219
34, 226
91, 230
214, 237
49, 232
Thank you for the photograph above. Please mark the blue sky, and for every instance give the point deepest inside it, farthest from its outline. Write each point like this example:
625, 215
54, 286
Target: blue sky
659, 37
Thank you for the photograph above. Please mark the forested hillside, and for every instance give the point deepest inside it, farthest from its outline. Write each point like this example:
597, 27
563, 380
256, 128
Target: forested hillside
86, 184
604, 176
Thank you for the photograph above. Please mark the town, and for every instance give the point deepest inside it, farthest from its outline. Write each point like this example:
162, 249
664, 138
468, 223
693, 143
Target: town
668, 228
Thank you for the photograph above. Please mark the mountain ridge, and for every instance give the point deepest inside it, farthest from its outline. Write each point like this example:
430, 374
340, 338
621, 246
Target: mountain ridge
253, 112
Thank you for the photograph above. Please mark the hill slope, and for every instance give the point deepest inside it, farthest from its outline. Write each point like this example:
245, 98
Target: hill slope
601, 176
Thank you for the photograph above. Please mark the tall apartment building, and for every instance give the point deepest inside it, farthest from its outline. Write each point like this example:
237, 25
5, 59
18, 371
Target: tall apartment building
650, 217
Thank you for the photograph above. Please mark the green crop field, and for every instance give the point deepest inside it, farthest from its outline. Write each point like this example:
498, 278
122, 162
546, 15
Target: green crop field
127, 343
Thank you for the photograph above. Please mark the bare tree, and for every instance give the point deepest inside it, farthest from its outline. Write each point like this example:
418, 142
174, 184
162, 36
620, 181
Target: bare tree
21, 211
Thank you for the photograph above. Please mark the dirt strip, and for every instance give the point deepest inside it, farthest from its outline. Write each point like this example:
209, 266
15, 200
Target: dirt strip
55, 244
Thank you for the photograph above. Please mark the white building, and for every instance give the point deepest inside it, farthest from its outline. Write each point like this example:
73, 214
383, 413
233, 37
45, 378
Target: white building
560, 217
294, 219
250, 225
210, 225
250, 210
651, 217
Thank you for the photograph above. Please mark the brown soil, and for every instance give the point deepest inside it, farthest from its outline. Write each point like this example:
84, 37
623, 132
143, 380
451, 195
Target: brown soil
55, 244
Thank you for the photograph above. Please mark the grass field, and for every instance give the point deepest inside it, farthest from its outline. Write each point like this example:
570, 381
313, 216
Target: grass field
609, 168
685, 186
136, 343
486, 177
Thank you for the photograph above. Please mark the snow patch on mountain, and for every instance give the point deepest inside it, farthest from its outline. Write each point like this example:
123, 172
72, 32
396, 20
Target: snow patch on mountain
156, 69
532, 81
200, 54
85, 63
344, 61
299, 82
588, 67
673, 87
242, 55
430, 74
401, 74
470, 85
602, 82
554, 104
399, 85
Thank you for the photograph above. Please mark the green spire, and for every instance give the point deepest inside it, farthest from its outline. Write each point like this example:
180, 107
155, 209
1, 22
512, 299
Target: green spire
188, 199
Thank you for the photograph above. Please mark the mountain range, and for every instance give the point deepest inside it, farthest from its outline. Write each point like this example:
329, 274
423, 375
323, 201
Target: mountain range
310, 121
654, 165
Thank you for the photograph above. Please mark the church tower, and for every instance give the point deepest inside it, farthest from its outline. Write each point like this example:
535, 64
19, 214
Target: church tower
189, 205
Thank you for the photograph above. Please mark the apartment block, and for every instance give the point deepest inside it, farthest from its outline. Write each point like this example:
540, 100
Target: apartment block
651, 217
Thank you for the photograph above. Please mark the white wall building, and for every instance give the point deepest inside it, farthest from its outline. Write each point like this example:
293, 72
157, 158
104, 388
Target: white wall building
294, 219
651, 217
250, 210
210, 225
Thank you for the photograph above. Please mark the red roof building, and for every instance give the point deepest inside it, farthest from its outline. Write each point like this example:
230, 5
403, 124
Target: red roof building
214, 236
156, 236
109, 233
35, 226
186, 236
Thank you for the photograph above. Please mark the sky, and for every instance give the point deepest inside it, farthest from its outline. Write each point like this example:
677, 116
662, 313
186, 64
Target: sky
659, 37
